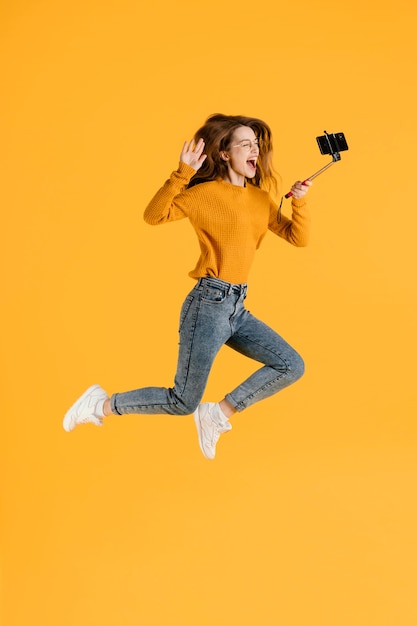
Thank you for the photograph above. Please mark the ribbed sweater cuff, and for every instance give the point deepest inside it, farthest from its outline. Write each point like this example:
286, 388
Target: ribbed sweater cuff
186, 170
298, 203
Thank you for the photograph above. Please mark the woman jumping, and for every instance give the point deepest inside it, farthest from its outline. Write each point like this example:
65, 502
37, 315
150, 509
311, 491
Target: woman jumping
222, 186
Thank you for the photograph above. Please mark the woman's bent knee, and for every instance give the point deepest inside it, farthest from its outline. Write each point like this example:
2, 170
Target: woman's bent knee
297, 367
182, 409
183, 405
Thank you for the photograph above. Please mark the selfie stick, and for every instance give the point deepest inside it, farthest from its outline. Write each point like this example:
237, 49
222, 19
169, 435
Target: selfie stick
336, 157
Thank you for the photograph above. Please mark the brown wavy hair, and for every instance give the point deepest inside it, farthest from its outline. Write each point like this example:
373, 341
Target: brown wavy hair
217, 133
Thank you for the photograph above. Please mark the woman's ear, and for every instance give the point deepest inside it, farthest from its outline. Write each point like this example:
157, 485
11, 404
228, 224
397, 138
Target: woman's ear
224, 156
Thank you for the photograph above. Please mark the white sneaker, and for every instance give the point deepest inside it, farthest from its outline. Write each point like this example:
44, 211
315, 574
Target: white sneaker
88, 408
211, 423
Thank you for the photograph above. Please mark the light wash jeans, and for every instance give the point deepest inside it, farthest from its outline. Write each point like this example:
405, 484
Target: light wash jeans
212, 315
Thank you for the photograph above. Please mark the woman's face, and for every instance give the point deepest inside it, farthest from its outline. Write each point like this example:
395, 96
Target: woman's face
242, 155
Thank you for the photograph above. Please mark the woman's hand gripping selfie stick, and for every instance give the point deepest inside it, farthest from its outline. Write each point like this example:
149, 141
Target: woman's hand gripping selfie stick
336, 157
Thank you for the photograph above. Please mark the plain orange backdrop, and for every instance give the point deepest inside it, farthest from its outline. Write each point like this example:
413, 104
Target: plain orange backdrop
307, 517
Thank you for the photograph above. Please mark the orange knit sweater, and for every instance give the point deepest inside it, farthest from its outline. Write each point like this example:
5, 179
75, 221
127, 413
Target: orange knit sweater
230, 221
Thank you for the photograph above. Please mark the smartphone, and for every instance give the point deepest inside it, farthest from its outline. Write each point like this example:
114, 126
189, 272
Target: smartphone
329, 144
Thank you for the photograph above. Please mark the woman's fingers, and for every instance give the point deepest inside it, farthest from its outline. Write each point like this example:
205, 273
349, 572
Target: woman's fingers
199, 147
185, 148
299, 189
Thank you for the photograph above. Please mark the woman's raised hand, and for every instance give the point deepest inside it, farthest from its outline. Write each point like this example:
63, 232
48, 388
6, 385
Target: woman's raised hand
299, 189
192, 154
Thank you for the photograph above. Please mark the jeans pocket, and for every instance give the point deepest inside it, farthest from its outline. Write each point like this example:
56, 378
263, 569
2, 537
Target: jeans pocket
213, 294
185, 309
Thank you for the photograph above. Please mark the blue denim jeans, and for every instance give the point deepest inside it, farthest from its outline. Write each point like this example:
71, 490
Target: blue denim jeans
212, 315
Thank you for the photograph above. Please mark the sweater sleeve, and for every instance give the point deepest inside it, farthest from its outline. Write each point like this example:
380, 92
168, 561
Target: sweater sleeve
170, 203
295, 230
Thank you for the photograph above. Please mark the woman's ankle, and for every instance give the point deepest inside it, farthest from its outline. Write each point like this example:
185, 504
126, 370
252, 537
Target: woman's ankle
226, 408
107, 408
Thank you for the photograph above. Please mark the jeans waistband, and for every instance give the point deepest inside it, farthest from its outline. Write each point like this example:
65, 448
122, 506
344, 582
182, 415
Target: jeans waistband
221, 284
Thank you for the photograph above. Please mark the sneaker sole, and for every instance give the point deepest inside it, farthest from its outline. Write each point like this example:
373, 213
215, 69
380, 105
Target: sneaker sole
67, 422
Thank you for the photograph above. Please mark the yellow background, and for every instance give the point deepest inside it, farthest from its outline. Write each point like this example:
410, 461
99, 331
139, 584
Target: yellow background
308, 515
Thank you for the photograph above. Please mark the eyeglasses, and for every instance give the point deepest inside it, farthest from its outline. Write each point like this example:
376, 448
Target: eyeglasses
246, 144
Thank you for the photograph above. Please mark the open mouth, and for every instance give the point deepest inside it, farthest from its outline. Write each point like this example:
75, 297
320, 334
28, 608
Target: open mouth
251, 163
